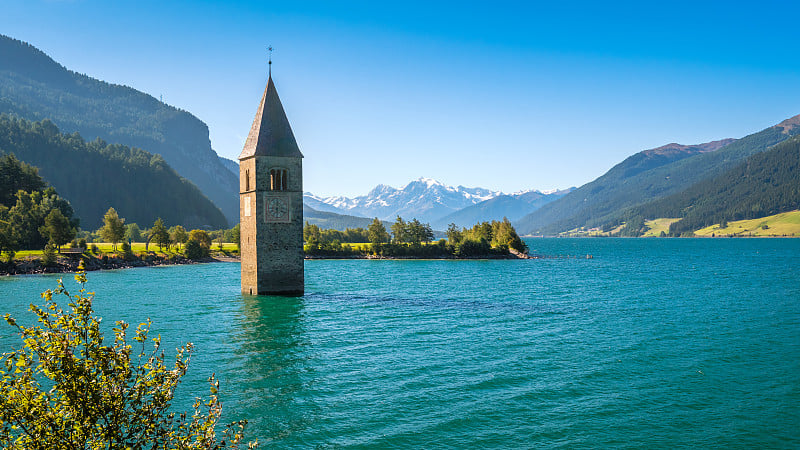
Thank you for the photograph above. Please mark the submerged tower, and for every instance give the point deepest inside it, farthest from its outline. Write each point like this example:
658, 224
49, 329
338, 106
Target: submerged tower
271, 203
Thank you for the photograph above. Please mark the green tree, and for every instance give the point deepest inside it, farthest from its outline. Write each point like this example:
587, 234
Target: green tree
418, 232
234, 235
203, 241
65, 387
133, 233
454, 234
505, 236
28, 214
49, 256
159, 234
127, 251
399, 230
312, 235
193, 250
113, 229
8, 239
57, 228
178, 235
480, 231
201, 237
377, 232
26, 217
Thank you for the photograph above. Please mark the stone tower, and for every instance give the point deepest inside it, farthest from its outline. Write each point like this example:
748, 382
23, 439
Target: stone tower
271, 203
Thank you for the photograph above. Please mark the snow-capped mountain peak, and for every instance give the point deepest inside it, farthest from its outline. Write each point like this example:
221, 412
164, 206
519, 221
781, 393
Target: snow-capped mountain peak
425, 199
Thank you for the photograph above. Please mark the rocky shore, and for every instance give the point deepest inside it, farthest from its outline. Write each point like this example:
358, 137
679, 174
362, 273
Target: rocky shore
66, 264
362, 256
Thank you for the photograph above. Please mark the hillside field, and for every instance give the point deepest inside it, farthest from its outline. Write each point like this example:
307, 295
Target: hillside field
783, 224
655, 227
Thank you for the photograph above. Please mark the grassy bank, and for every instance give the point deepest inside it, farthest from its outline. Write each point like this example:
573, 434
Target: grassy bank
136, 247
655, 227
779, 225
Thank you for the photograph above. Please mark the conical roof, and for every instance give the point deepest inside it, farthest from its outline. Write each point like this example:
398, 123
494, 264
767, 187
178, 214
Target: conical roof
270, 134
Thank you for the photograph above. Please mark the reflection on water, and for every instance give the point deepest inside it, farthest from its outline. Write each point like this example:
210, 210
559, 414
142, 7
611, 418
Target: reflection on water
271, 365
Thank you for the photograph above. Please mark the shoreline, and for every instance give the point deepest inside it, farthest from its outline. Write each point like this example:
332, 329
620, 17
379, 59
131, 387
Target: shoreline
71, 264
67, 264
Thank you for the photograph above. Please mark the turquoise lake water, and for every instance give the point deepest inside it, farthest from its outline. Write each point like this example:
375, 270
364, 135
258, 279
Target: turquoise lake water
652, 343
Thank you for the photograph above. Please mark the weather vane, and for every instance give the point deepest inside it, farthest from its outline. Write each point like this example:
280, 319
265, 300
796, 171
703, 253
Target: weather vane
270, 60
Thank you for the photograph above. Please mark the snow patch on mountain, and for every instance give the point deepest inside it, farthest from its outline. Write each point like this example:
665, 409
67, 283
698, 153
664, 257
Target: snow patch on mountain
425, 199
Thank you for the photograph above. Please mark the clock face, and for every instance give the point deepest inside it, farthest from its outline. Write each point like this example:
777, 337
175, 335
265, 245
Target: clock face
277, 209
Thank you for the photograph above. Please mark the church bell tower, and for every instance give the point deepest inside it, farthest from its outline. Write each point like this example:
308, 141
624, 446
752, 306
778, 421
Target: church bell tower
271, 203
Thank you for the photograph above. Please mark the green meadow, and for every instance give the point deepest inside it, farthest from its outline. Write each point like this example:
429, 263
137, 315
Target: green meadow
656, 226
783, 224
137, 248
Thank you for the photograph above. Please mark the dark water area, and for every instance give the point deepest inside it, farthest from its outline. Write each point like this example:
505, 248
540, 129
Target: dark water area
651, 343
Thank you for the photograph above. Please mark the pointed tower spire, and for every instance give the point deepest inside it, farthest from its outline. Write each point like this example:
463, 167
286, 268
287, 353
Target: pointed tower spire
271, 203
271, 134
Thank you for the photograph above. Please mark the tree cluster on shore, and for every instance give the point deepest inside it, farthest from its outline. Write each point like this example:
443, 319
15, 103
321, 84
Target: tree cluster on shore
414, 239
34, 217
32, 214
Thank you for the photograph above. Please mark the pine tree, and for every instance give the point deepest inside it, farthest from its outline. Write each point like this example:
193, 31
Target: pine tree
377, 232
159, 234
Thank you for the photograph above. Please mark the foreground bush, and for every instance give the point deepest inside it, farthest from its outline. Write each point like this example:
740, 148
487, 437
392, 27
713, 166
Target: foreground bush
65, 389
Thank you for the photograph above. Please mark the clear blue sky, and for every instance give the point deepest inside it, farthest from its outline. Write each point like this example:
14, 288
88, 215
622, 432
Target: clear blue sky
502, 95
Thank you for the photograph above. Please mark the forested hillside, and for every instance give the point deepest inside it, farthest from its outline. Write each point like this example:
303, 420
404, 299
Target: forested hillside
35, 87
644, 177
96, 175
31, 213
764, 184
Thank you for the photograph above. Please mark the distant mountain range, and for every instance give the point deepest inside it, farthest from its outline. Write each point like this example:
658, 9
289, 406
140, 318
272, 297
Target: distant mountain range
434, 202
698, 183
512, 206
35, 87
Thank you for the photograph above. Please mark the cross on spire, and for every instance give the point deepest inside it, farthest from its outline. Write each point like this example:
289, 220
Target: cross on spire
270, 60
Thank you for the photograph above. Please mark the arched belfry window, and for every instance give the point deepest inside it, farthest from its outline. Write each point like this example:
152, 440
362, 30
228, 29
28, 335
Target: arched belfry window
247, 180
277, 179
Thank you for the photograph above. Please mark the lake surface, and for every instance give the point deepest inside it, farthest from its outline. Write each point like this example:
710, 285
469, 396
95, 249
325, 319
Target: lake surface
652, 343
